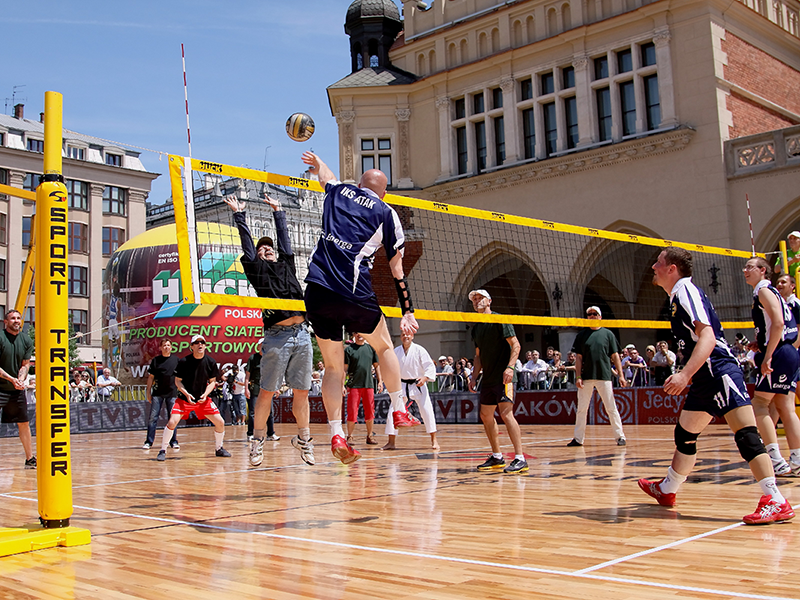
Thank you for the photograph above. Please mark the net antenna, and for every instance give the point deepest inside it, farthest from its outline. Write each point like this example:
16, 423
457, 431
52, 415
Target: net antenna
750, 223
187, 174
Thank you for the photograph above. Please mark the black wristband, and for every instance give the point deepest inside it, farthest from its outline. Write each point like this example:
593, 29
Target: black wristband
404, 295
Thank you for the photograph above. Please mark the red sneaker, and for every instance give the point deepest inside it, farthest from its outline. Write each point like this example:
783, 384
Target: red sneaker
344, 451
404, 419
652, 488
769, 511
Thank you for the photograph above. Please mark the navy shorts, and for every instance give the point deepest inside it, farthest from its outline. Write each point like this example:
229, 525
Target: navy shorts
14, 406
492, 395
718, 395
330, 314
785, 365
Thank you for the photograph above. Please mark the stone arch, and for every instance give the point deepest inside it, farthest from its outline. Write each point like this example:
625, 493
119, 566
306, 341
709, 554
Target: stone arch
452, 55
464, 50
421, 70
566, 16
516, 34
552, 22
432, 61
495, 40
530, 30
483, 45
777, 228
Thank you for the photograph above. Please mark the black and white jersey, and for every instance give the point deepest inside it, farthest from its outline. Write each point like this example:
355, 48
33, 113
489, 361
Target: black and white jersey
763, 322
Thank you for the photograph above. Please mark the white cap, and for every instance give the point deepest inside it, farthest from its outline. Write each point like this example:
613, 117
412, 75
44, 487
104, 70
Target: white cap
442, 358
596, 309
198, 338
794, 234
260, 341
483, 293
630, 347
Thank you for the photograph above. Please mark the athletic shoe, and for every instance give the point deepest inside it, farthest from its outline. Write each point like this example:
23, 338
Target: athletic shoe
769, 511
147, 446
653, 489
306, 448
795, 468
256, 452
622, 442
273, 438
492, 463
175, 446
371, 441
404, 419
344, 451
781, 468
516, 466
30, 463
574, 443
222, 453
162, 455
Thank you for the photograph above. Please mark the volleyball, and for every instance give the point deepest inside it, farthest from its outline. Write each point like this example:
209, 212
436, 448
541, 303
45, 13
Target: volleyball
300, 127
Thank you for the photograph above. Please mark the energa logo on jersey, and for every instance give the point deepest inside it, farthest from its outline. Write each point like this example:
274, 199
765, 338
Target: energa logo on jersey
220, 273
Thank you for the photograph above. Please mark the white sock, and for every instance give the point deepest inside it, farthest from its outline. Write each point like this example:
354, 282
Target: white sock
672, 481
165, 439
397, 401
770, 488
304, 433
218, 437
794, 456
519, 457
497, 454
336, 428
774, 452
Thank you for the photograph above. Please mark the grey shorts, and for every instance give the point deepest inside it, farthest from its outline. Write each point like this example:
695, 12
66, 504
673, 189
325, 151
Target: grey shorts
287, 354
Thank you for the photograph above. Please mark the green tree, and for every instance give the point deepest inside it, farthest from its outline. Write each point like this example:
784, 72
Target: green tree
74, 359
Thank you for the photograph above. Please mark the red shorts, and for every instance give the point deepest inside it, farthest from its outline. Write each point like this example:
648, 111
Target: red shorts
367, 396
201, 409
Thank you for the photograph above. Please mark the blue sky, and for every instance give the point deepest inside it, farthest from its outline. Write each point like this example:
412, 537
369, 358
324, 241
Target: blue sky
250, 64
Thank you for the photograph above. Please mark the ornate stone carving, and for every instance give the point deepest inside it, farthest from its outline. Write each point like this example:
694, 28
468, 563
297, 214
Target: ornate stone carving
403, 114
662, 38
581, 63
507, 84
348, 173
442, 103
345, 116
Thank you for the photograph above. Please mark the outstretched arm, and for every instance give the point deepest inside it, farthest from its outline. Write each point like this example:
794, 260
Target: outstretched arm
238, 208
281, 230
316, 166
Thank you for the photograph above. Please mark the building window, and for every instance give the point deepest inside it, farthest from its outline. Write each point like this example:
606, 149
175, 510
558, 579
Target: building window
114, 200
550, 128
499, 141
3, 176
2, 139
3, 229
30, 317
480, 145
601, 67
382, 161
526, 89
78, 234
603, 114
477, 104
385, 165
624, 61
652, 106
571, 117
76, 153
113, 238
459, 108
2, 274
26, 231
648, 54
627, 99
33, 279
568, 78
80, 320
461, 149
528, 133
115, 160
78, 194
31, 182
78, 281
35, 145
497, 98
547, 82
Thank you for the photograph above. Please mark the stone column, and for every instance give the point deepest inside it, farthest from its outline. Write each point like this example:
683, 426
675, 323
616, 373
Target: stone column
404, 180
666, 86
583, 95
347, 150
445, 138
511, 120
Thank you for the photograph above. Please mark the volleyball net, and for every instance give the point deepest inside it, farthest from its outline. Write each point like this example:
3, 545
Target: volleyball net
538, 273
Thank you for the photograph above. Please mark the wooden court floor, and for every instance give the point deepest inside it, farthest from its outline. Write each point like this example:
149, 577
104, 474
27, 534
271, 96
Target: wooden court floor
403, 524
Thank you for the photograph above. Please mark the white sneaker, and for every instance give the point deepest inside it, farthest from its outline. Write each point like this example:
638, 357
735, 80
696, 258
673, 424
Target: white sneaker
795, 468
306, 448
273, 438
256, 452
781, 468
146, 446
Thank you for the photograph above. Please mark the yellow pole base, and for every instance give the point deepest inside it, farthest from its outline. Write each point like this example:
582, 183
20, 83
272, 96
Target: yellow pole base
35, 537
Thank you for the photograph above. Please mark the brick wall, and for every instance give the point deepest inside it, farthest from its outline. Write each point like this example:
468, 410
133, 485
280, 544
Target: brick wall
756, 71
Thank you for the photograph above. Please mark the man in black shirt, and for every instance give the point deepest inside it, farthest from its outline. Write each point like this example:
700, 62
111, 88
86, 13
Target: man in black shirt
196, 378
15, 353
164, 392
286, 353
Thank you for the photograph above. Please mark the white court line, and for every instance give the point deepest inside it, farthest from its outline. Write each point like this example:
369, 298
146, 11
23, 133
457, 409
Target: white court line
657, 548
452, 559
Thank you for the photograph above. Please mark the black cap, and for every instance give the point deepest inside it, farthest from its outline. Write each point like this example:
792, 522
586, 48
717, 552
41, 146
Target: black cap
266, 240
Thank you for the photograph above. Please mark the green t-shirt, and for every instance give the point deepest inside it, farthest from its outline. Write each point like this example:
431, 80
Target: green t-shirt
13, 350
596, 348
495, 352
793, 258
359, 361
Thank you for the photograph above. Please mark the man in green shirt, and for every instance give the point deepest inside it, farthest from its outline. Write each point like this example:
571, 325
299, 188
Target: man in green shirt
359, 360
496, 352
792, 254
595, 349
15, 354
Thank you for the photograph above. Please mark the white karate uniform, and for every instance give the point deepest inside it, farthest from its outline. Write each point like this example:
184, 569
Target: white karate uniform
414, 365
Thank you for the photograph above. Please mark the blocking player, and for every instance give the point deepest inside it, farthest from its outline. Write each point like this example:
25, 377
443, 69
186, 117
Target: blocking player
195, 377
355, 224
777, 363
286, 353
716, 388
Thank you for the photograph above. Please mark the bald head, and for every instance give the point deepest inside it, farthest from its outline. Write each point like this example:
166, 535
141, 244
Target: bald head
374, 180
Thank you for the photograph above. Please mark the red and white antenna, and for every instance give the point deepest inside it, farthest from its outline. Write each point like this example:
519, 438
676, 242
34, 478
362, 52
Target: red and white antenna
186, 98
749, 220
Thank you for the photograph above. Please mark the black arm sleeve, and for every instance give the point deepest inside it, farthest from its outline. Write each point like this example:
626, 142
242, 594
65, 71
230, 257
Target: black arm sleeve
248, 249
282, 233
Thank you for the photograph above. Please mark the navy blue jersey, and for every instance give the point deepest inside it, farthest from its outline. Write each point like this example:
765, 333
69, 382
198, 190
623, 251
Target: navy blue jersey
689, 305
794, 306
355, 224
763, 323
